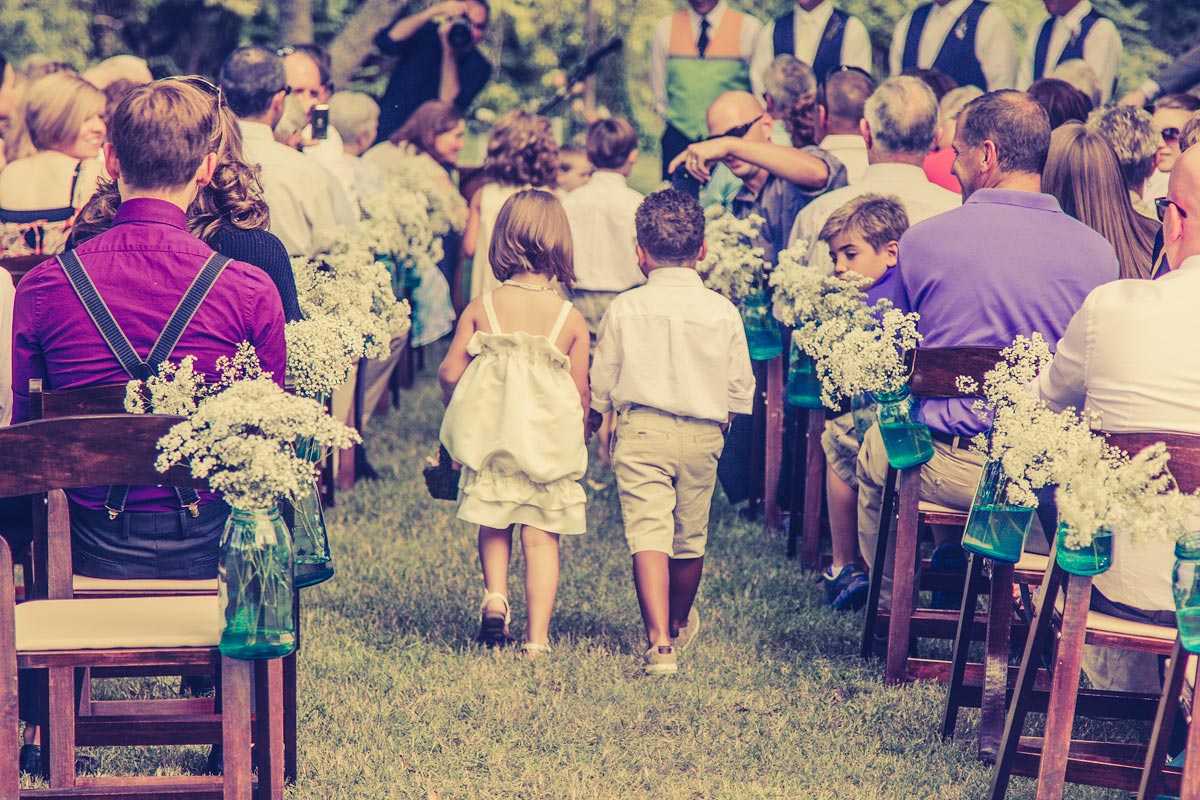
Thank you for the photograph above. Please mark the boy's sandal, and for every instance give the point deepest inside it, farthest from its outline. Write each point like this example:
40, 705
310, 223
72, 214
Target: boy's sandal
493, 630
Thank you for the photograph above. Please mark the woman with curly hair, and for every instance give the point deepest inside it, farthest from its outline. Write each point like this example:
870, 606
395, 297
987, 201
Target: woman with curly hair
229, 214
521, 154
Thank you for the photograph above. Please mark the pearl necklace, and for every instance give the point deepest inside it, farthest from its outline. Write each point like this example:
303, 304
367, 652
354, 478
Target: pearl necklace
528, 286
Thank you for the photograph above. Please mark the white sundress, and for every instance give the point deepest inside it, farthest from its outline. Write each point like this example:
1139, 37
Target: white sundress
515, 424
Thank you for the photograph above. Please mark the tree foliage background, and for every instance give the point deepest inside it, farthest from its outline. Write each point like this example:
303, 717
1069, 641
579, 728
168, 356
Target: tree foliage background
532, 42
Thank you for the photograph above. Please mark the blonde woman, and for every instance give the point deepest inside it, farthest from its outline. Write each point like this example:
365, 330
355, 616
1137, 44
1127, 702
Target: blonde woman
54, 163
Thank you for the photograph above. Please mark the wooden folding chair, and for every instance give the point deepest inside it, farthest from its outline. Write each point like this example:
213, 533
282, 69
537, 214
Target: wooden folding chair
1056, 758
933, 373
18, 266
61, 633
110, 399
808, 496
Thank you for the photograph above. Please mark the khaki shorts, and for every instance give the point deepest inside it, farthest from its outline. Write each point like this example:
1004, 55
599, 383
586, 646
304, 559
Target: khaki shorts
666, 468
840, 444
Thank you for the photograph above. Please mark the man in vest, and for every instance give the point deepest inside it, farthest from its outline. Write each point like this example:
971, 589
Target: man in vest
697, 54
969, 40
818, 34
1075, 30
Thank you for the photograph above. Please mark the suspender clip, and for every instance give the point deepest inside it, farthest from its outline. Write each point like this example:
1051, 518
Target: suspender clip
193, 509
112, 512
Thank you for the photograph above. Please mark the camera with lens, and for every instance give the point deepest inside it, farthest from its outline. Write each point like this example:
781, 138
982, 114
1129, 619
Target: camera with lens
459, 35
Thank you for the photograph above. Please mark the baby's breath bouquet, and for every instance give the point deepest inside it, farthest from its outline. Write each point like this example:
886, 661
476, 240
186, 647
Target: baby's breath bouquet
176, 389
402, 224
242, 440
734, 265
805, 296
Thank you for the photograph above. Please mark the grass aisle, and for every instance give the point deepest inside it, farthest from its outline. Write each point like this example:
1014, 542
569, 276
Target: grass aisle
770, 702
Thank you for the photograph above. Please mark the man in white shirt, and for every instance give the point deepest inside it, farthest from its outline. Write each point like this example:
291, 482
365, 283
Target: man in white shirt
697, 53
1103, 366
840, 106
355, 117
298, 191
1075, 30
672, 360
818, 34
601, 214
900, 119
969, 40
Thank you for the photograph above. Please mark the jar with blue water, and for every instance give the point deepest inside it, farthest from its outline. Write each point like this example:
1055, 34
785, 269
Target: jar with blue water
763, 334
1187, 590
907, 440
996, 528
803, 386
1088, 559
254, 582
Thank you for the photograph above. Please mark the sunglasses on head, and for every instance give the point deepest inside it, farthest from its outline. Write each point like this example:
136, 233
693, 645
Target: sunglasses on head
738, 131
1170, 134
1161, 204
847, 68
203, 84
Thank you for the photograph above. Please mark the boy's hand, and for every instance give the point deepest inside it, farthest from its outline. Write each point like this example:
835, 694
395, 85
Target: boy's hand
594, 421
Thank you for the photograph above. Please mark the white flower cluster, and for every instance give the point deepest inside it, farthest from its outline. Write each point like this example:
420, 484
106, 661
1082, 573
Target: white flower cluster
404, 223
857, 348
174, 390
734, 265
242, 440
1100, 487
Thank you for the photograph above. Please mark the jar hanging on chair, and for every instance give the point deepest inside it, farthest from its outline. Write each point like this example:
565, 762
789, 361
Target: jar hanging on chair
996, 528
908, 441
255, 586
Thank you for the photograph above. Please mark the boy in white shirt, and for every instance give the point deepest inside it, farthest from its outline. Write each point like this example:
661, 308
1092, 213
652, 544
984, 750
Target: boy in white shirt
672, 360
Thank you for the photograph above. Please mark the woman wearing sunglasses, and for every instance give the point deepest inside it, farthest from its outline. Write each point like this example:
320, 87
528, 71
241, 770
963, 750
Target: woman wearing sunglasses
1171, 113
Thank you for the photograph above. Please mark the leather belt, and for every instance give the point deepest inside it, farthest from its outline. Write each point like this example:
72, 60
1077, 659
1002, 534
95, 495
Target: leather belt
955, 442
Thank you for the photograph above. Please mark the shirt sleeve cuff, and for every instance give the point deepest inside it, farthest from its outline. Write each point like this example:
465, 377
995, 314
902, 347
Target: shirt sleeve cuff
740, 405
601, 405
1150, 89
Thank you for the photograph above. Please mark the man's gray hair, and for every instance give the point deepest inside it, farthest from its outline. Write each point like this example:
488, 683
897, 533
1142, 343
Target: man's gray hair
1132, 135
351, 113
787, 80
902, 115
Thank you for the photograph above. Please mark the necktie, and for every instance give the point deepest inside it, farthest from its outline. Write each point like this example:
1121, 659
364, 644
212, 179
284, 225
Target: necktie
702, 40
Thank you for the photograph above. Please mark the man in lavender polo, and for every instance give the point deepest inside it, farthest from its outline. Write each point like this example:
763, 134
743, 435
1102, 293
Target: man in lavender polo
1008, 262
160, 154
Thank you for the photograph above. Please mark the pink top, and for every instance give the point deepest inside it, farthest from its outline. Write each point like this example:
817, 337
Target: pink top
937, 169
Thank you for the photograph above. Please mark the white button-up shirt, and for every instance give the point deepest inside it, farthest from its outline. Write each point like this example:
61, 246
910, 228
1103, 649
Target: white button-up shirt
7, 295
995, 46
601, 214
1101, 49
676, 346
807, 29
660, 47
1129, 356
922, 199
851, 150
298, 191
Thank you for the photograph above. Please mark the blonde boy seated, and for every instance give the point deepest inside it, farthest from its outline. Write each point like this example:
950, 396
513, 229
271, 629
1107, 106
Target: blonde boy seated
672, 360
863, 237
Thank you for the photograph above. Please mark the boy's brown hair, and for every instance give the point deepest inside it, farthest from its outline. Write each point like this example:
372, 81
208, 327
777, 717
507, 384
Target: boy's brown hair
610, 142
670, 227
879, 219
161, 133
532, 235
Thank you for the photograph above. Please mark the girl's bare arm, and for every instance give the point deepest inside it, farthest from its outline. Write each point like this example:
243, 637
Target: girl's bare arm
457, 358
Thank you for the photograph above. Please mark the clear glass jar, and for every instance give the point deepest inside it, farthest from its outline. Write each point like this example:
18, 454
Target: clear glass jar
1187, 590
864, 413
803, 386
996, 528
310, 538
763, 334
908, 442
255, 585
1090, 559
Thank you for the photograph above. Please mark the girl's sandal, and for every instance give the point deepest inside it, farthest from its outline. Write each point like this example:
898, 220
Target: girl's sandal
533, 651
493, 630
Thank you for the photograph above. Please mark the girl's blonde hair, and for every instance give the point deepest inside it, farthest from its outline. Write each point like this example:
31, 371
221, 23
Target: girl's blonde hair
532, 235
522, 150
52, 112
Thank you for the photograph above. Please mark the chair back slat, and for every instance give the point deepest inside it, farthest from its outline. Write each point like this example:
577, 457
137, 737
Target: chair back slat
17, 266
1183, 447
71, 452
934, 371
102, 399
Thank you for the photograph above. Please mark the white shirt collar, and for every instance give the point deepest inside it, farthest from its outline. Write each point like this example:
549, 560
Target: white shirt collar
678, 276
895, 172
714, 17
1074, 18
1191, 262
258, 131
818, 16
954, 9
603, 176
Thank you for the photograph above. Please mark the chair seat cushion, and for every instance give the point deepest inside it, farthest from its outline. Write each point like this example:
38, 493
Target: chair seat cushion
926, 507
1104, 623
1033, 562
118, 623
84, 584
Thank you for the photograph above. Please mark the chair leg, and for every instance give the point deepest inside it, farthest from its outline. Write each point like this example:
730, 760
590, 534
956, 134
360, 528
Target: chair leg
758, 437
886, 510
268, 728
1189, 787
814, 485
962, 645
58, 743
1039, 635
10, 778
235, 729
995, 673
289, 700
773, 443
904, 571
1060, 714
799, 483
1164, 721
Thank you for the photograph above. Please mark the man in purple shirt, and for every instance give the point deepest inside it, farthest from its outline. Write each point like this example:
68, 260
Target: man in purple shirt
1008, 262
161, 154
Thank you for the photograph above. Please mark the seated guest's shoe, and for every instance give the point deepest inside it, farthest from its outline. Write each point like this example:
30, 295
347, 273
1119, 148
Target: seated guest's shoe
493, 628
948, 557
30, 760
848, 590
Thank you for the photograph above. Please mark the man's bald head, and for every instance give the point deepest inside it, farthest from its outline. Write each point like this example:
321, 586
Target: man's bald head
730, 110
1181, 222
303, 78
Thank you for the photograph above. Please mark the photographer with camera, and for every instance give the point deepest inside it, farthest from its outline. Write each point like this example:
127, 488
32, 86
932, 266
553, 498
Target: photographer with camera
437, 59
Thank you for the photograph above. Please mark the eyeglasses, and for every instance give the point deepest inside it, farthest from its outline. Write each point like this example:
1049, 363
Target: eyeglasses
847, 68
736, 132
1170, 134
212, 90
1161, 204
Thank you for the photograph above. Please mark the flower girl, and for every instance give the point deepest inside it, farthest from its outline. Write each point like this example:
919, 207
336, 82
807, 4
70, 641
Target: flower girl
515, 382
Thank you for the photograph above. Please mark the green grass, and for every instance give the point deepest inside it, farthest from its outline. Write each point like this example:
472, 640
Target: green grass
771, 701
